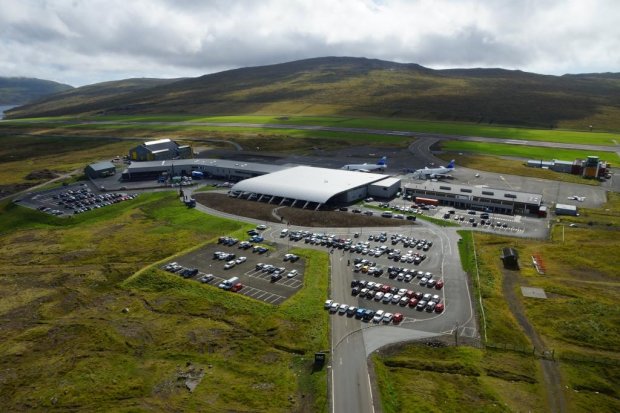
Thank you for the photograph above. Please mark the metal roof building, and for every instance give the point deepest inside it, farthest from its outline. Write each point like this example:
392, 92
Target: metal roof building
100, 169
482, 198
308, 186
213, 168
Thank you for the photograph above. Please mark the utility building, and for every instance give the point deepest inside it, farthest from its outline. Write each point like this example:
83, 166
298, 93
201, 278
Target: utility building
100, 170
385, 188
210, 168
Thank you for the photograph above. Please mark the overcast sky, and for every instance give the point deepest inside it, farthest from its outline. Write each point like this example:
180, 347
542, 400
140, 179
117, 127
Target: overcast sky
86, 41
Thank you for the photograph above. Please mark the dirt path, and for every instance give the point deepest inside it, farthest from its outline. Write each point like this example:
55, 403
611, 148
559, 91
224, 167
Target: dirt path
551, 372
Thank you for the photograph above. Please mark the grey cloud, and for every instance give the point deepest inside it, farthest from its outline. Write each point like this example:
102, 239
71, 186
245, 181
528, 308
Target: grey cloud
470, 46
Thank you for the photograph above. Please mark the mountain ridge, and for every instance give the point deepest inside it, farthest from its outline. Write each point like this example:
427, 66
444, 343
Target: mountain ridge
359, 87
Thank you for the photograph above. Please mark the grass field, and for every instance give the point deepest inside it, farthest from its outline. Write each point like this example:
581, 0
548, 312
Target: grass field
67, 345
22, 155
449, 379
526, 152
513, 167
448, 128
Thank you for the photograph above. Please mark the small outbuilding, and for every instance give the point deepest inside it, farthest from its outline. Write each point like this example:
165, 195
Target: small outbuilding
100, 170
510, 257
565, 209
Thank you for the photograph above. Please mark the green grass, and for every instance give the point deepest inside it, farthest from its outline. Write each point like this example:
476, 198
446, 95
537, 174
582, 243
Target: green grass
21, 155
501, 326
63, 285
526, 152
448, 128
419, 378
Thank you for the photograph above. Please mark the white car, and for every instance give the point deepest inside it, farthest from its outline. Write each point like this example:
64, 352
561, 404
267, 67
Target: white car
379, 296
334, 307
343, 308
291, 274
328, 304
230, 264
261, 227
378, 316
240, 260
387, 317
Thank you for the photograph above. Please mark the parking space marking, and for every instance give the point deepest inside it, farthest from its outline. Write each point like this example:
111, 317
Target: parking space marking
468, 332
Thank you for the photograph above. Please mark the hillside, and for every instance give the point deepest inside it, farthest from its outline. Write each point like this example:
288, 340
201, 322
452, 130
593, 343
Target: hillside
21, 90
89, 99
364, 87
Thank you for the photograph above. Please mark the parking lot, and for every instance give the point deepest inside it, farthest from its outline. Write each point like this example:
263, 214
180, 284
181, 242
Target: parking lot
72, 199
256, 283
386, 268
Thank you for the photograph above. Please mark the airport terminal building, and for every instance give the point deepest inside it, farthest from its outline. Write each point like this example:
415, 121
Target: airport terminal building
311, 187
477, 198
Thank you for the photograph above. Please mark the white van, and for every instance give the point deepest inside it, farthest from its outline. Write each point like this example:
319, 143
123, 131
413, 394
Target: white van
283, 233
226, 285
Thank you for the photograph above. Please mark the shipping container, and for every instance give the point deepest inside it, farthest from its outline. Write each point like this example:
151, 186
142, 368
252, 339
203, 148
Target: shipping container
426, 201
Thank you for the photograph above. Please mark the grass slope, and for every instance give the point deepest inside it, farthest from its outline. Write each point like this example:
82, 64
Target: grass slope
67, 345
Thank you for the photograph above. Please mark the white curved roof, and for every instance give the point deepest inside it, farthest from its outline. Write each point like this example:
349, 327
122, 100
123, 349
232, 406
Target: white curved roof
307, 183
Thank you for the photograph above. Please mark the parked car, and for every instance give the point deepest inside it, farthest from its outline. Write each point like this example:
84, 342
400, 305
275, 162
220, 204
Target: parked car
236, 287
439, 285
439, 308
387, 318
378, 316
328, 304
398, 317
292, 273
206, 278
229, 264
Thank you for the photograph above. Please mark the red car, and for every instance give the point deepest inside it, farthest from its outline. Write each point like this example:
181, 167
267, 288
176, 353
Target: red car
418, 295
385, 288
398, 317
409, 293
236, 287
413, 302
439, 308
439, 285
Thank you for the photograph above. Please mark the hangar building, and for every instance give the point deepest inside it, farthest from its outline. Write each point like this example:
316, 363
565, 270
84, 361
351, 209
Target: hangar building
308, 187
159, 150
211, 168
502, 201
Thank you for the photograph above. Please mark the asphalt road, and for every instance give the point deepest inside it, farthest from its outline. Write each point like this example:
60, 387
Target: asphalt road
356, 130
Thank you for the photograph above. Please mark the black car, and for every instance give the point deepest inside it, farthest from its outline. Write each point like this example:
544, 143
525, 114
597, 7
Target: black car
354, 283
355, 291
